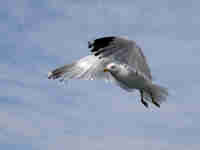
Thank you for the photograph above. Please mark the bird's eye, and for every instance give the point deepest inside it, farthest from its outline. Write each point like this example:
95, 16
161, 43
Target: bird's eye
113, 67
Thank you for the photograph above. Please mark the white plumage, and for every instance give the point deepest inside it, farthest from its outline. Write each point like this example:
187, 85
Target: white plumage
118, 60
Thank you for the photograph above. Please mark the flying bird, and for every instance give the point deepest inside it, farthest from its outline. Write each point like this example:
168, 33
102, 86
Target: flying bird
120, 61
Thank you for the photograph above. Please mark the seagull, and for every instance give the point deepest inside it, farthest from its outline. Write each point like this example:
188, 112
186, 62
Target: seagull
120, 61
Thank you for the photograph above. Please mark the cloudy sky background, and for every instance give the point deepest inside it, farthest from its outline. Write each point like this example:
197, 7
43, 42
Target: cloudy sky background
39, 114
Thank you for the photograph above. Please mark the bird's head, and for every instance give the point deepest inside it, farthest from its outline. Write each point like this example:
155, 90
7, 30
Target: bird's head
112, 67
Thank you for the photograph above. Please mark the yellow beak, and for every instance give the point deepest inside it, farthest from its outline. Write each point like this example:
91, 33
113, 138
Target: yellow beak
105, 70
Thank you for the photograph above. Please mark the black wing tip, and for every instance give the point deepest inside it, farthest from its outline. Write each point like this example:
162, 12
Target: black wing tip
54, 74
90, 44
100, 43
106, 38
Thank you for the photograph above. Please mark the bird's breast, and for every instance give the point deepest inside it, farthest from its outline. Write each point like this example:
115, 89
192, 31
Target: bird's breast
132, 79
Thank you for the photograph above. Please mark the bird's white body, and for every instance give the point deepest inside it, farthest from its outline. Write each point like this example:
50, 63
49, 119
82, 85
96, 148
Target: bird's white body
133, 81
130, 77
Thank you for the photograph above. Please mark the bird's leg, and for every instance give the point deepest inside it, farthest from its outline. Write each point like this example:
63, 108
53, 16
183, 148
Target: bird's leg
136, 73
142, 100
153, 101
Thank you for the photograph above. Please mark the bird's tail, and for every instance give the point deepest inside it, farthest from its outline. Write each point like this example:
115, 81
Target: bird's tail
156, 94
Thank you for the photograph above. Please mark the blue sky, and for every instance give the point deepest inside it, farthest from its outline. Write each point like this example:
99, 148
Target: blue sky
38, 114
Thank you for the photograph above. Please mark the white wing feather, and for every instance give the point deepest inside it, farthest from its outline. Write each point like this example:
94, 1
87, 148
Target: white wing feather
87, 68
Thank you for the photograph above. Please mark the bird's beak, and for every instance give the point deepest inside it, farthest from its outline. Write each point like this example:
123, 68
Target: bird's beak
105, 70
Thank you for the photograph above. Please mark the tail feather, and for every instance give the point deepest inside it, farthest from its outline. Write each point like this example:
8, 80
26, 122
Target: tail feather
156, 94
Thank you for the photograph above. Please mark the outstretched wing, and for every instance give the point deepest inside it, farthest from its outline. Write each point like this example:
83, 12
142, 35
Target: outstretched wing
88, 68
122, 50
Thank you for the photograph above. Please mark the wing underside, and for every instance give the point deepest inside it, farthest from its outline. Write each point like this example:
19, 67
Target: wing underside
87, 68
